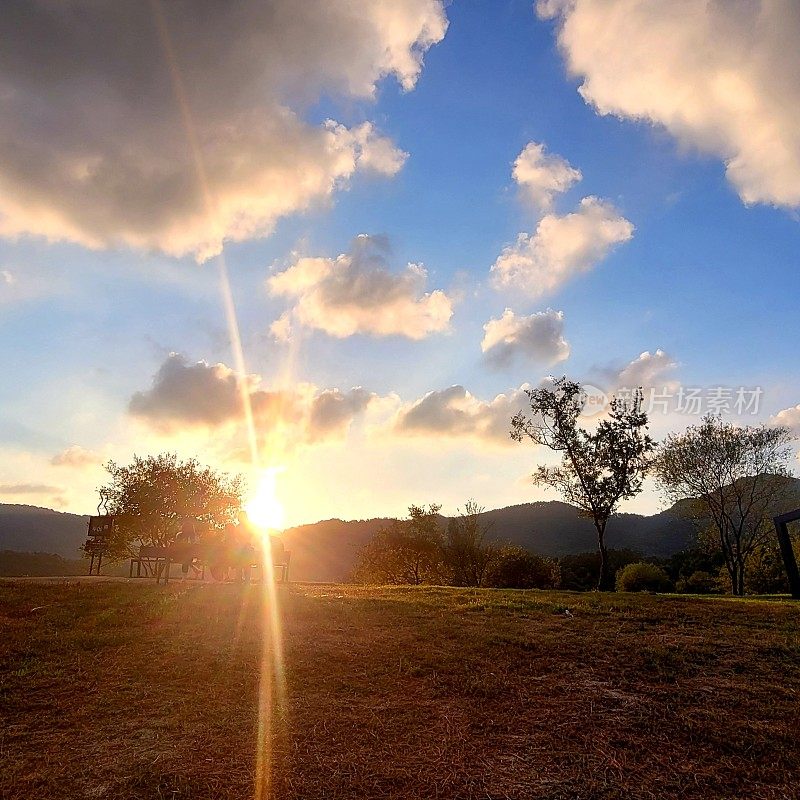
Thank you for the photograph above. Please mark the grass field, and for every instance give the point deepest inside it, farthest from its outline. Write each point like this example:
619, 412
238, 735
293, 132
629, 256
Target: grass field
118, 690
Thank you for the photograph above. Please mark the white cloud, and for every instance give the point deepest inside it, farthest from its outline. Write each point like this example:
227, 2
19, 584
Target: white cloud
542, 175
561, 248
648, 370
790, 417
356, 293
719, 76
538, 337
455, 413
94, 147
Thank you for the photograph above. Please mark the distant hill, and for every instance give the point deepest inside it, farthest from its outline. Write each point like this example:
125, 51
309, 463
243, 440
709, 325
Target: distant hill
327, 550
33, 529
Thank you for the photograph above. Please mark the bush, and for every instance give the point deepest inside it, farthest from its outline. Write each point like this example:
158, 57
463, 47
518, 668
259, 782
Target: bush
643, 577
699, 582
581, 571
515, 568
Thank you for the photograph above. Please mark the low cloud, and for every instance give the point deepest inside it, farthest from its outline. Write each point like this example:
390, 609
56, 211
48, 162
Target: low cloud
561, 248
188, 395
99, 142
455, 413
356, 293
75, 456
719, 76
28, 489
648, 370
542, 175
538, 338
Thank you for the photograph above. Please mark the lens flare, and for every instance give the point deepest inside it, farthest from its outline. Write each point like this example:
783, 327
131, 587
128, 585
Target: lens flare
264, 509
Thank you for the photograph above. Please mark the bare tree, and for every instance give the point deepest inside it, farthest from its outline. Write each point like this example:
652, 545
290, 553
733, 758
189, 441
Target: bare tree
599, 467
735, 476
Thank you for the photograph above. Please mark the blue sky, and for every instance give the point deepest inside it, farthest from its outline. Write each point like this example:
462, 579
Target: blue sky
709, 276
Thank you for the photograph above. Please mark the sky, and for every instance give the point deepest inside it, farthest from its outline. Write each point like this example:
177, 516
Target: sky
405, 212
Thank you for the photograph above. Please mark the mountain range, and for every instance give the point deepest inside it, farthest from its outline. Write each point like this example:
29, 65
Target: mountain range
327, 550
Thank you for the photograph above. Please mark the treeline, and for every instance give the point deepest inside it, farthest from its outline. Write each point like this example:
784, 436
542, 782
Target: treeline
422, 550
15, 564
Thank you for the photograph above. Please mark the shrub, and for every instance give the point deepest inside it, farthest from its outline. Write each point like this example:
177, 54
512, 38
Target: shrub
515, 568
699, 582
642, 577
580, 571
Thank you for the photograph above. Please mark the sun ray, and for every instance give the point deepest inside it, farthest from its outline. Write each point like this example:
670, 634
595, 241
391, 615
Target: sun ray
271, 698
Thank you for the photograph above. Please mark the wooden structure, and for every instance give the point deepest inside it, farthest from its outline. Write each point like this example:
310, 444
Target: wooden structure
101, 529
219, 557
787, 551
150, 558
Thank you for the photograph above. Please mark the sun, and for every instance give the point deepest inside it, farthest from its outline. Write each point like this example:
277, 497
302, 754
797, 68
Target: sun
264, 508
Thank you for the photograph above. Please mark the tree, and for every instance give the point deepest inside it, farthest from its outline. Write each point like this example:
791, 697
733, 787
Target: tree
642, 576
599, 468
407, 551
736, 478
514, 567
467, 553
150, 496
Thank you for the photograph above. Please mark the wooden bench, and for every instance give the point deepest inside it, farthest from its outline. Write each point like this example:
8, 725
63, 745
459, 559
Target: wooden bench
157, 561
151, 557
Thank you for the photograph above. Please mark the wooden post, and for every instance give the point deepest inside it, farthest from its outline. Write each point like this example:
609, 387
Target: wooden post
785, 541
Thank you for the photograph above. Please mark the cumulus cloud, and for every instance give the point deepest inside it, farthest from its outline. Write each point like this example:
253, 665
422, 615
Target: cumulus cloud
719, 76
648, 370
789, 417
190, 394
561, 248
332, 410
357, 293
455, 413
75, 456
538, 337
95, 147
185, 395
542, 175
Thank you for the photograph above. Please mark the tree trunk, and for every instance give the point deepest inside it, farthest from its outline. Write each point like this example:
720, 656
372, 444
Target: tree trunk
604, 583
739, 590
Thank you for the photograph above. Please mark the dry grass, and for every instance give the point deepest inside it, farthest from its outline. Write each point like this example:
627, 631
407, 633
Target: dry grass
137, 691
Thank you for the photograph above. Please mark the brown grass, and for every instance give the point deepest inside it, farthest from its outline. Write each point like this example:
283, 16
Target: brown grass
117, 690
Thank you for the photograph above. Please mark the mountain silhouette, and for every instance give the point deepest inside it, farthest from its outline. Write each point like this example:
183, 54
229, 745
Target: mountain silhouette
327, 550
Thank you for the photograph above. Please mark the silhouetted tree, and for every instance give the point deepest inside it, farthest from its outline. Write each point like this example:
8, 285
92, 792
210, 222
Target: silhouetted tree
600, 467
467, 553
581, 571
151, 495
407, 551
736, 477
514, 567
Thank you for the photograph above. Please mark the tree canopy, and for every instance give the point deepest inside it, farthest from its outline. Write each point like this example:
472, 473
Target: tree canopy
736, 478
599, 467
152, 494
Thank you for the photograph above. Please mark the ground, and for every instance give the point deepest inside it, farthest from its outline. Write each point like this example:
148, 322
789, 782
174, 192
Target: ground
131, 690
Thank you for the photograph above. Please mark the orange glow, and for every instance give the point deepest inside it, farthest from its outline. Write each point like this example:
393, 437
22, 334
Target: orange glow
264, 509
